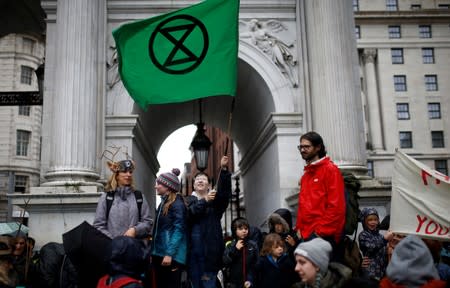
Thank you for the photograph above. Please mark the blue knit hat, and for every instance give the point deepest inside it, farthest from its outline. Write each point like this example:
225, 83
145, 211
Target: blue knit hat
170, 180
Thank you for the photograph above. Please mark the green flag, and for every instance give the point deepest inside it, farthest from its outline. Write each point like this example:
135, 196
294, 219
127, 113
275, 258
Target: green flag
186, 54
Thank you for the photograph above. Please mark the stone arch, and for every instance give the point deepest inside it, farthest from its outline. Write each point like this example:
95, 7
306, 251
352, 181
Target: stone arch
266, 124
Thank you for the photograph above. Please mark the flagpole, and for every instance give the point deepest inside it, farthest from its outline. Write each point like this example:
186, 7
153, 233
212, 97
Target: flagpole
230, 117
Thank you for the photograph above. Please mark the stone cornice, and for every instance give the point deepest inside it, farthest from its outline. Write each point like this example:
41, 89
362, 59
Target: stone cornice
404, 43
394, 17
120, 10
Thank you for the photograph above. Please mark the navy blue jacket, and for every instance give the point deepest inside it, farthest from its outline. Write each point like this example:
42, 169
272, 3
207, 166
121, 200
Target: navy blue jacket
206, 216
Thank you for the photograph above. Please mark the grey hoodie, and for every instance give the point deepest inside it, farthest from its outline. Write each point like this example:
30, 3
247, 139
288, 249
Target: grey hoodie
411, 264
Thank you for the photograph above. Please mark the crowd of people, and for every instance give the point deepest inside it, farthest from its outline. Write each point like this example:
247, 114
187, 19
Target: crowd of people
183, 246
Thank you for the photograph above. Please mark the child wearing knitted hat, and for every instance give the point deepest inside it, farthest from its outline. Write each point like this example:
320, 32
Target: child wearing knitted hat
314, 267
169, 245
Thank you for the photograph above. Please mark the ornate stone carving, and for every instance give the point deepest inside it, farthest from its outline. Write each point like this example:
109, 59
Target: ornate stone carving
113, 67
369, 55
262, 35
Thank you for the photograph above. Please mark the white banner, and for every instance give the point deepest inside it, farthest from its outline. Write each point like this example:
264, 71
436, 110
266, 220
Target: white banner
420, 202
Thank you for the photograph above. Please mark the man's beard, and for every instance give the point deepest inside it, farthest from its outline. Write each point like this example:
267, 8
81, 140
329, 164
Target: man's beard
308, 156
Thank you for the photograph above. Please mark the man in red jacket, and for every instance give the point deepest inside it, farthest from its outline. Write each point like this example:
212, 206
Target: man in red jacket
321, 202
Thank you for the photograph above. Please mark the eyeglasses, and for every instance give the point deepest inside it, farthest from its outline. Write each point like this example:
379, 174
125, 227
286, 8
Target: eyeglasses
306, 147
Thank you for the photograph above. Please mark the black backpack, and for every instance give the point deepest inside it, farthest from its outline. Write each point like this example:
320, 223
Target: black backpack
110, 199
352, 210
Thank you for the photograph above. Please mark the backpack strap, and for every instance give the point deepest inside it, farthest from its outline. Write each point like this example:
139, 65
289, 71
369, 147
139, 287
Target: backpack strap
110, 199
109, 202
139, 200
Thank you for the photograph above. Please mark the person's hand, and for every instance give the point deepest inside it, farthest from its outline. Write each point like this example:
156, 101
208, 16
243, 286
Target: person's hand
388, 235
131, 232
239, 244
365, 262
211, 195
290, 240
224, 162
247, 284
167, 261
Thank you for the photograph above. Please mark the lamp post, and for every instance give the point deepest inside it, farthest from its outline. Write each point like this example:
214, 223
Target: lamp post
201, 143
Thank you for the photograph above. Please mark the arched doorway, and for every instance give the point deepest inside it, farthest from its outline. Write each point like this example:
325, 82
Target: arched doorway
265, 127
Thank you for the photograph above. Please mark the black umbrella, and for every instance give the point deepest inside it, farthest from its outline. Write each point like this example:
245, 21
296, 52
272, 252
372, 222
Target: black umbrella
88, 249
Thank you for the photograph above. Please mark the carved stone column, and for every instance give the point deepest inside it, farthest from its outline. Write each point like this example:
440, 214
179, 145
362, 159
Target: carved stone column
77, 80
335, 93
376, 136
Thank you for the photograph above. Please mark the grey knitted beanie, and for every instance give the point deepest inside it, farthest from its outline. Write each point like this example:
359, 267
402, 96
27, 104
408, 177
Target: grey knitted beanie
318, 251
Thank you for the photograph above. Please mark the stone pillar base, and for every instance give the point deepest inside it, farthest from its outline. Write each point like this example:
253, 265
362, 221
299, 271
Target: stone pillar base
56, 210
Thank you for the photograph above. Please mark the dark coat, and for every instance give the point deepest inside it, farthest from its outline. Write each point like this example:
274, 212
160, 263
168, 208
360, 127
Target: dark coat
279, 274
233, 261
169, 231
207, 216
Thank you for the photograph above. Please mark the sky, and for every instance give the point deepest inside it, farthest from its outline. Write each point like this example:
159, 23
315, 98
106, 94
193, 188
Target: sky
174, 151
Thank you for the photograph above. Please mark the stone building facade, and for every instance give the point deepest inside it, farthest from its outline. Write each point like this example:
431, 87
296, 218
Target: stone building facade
20, 132
300, 69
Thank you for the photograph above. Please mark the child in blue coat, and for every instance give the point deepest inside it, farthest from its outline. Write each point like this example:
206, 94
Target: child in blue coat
275, 269
373, 245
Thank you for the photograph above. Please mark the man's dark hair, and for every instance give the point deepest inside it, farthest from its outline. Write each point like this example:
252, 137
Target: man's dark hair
315, 140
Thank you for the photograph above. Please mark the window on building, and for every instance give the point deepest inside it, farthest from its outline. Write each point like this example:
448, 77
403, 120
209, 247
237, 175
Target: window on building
26, 74
397, 55
20, 183
437, 139
24, 110
424, 31
391, 5
428, 55
441, 166
402, 111
394, 32
405, 139
28, 45
400, 83
358, 32
434, 110
444, 6
370, 171
416, 6
431, 83
355, 5
23, 140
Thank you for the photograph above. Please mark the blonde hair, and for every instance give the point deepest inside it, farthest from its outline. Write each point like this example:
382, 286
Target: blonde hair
270, 241
111, 185
170, 199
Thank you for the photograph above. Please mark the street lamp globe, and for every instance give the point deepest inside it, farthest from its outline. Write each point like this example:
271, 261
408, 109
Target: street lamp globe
200, 144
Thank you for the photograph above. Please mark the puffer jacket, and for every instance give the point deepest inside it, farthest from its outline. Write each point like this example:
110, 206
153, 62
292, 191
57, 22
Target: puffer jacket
169, 233
374, 246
